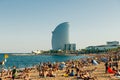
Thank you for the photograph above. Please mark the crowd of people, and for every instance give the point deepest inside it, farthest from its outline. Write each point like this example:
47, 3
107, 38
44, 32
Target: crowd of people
112, 65
71, 68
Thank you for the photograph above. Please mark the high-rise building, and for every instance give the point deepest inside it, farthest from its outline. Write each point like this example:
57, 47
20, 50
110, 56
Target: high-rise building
60, 36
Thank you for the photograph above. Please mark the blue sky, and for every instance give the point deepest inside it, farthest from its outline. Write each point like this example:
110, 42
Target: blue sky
26, 25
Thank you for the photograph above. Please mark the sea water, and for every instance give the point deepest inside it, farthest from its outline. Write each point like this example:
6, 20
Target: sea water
21, 61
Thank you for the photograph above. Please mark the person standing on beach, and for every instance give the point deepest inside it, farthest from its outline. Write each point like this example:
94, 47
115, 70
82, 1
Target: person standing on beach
116, 65
14, 72
9, 71
110, 65
106, 67
40, 69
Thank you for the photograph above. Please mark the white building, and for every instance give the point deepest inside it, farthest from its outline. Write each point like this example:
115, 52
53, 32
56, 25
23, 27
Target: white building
109, 45
113, 43
71, 47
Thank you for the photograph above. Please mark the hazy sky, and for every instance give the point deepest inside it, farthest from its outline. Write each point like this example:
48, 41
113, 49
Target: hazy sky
26, 25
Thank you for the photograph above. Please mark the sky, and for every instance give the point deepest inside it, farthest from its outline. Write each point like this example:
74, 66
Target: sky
27, 25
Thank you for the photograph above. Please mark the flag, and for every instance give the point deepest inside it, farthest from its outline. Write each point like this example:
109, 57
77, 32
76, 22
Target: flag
6, 56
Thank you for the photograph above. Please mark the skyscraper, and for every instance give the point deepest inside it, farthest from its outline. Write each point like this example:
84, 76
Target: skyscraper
60, 36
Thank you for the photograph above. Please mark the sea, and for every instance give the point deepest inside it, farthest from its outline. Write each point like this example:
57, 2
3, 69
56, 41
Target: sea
21, 61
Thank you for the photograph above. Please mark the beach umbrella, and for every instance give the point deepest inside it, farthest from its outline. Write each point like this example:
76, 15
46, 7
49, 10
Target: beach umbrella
95, 62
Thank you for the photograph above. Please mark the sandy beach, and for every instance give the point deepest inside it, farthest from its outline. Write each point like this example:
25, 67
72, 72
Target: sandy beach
98, 73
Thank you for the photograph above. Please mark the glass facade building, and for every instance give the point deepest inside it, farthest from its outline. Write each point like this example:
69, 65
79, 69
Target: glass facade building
60, 36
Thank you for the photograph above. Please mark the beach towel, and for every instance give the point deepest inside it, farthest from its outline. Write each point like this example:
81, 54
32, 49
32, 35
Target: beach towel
117, 76
65, 75
104, 59
110, 71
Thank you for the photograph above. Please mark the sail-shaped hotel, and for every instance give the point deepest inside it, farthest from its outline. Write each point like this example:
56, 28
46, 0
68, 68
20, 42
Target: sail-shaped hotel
60, 37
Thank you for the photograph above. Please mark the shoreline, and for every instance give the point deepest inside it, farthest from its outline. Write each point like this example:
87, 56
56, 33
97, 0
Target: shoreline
50, 54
